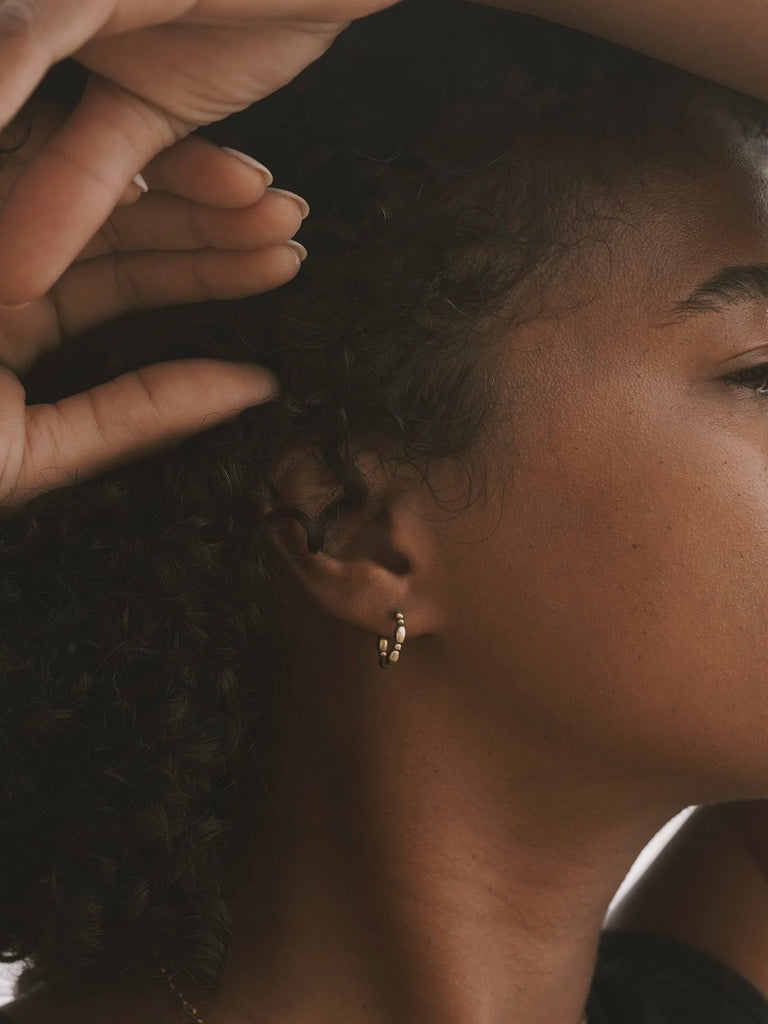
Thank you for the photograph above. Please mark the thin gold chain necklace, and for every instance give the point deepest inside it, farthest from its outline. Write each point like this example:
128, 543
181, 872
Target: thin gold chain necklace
199, 1020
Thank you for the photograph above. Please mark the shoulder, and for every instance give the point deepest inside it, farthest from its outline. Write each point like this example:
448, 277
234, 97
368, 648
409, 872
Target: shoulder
705, 890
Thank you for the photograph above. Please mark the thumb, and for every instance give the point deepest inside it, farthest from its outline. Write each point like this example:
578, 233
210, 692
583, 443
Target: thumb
131, 417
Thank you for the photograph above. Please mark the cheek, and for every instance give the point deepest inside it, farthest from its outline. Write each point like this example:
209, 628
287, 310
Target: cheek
629, 596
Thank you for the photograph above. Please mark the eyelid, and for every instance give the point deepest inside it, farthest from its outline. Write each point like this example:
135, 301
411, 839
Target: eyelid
748, 375
759, 355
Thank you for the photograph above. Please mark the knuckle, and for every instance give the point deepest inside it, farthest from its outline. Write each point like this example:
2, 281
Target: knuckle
109, 233
19, 18
125, 285
99, 417
195, 225
154, 412
124, 411
201, 282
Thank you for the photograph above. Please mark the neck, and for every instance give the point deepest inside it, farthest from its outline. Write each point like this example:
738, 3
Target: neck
422, 868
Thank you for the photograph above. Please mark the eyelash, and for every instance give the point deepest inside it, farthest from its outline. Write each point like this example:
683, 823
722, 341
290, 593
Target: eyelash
744, 378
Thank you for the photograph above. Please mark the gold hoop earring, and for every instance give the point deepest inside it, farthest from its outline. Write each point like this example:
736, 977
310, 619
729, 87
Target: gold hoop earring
387, 657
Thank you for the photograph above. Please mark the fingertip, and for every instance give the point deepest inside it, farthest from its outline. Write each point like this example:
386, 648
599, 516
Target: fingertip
298, 249
131, 195
137, 188
266, 386
251, 163
257, 386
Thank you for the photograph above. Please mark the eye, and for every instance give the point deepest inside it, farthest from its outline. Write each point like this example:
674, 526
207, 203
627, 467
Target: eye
754, 377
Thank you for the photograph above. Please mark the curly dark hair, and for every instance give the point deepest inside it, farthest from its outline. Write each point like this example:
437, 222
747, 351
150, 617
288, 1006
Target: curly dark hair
453, 155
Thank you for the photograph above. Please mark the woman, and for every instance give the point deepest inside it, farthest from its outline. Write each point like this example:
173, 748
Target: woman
522, 405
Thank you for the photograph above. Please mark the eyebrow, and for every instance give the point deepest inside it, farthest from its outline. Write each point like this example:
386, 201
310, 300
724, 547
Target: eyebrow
729, 287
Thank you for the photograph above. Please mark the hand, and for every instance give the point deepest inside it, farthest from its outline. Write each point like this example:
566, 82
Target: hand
161, 68
220, 234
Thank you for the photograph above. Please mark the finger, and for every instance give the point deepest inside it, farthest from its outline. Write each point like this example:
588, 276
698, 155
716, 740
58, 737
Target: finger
73, 185
132, 417
307, 10
95, 291
164, 222
35, 34
28, 48
131, 195
200, 171
135, 190
197, 169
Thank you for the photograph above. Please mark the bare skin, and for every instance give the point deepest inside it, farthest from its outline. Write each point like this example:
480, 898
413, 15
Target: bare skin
142, 97
158, 71
217, 236
724, 41
585, 657
449, 835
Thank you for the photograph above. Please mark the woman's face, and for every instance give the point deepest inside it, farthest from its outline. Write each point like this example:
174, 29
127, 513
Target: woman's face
616, 599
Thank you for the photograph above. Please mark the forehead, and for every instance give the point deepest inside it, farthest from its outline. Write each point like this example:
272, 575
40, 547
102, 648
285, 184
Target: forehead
686, 219
675, 222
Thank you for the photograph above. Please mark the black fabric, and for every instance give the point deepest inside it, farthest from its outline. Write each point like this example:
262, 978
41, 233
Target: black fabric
643, 978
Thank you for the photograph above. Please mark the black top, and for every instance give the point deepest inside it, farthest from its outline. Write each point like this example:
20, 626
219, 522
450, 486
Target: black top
642, 978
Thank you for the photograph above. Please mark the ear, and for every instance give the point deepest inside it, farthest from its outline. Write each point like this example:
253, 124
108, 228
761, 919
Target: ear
378, 559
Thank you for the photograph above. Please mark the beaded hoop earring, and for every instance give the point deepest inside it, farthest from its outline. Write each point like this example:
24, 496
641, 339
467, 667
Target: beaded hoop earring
387, 657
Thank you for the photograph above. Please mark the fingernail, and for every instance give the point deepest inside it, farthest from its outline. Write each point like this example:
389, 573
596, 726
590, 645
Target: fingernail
251, 162
303, 204
22, 305
299, 248
141, 182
